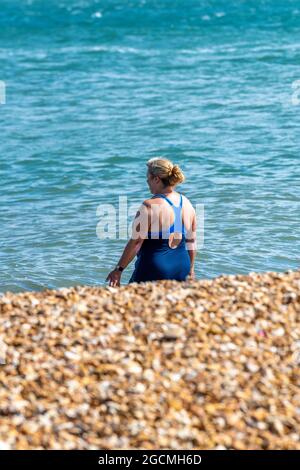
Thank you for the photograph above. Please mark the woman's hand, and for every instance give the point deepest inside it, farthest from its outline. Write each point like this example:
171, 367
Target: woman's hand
191, 276
114, 278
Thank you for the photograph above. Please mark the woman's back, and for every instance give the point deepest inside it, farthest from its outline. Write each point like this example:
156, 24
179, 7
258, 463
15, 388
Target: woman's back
174, 210
163, 253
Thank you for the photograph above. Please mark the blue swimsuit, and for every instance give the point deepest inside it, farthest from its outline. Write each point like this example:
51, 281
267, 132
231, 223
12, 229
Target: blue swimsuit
156, 260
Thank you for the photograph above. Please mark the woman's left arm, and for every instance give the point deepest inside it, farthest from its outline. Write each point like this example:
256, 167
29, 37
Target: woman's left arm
139, 233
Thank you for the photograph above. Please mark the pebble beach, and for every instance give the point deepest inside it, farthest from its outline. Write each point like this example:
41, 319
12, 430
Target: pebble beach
203, 364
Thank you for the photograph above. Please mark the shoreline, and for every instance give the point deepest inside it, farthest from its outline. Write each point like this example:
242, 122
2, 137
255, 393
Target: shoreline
205, 364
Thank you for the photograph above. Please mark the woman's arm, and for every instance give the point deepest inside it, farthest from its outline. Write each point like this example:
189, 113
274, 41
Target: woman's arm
191, 245
129, 252
139, 232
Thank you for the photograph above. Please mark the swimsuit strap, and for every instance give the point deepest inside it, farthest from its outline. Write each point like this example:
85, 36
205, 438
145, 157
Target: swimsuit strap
178, 225
169, 201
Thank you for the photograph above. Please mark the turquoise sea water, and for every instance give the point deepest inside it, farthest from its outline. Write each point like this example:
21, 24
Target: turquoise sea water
96, 88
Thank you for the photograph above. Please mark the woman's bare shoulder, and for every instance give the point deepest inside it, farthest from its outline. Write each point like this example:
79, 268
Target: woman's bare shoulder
151, 201
187, 202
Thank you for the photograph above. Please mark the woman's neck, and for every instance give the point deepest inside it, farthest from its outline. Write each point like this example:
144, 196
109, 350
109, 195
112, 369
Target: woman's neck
166, 191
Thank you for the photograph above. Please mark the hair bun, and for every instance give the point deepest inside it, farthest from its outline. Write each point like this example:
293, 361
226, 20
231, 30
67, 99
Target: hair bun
176, 176
170, 171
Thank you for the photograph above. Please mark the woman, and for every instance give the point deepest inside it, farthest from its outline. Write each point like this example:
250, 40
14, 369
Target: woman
169, 252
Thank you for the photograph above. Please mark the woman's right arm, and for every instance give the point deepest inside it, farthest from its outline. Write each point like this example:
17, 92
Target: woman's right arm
139, 233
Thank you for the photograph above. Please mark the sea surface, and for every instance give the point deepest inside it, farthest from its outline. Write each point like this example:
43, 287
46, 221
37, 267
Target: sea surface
96, 88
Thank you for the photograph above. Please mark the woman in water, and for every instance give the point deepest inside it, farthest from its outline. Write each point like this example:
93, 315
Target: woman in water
169, 252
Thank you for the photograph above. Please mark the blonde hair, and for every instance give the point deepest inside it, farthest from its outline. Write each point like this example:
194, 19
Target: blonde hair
169, 173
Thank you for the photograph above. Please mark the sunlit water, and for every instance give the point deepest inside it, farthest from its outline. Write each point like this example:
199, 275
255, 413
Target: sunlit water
96, 88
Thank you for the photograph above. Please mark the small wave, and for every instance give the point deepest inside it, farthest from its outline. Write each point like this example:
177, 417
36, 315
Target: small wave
97, 14
120, 49
41, 54
208, 50
113, 49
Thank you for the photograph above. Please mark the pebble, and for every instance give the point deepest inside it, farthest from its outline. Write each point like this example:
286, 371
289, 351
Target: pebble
252, 367
279, 332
